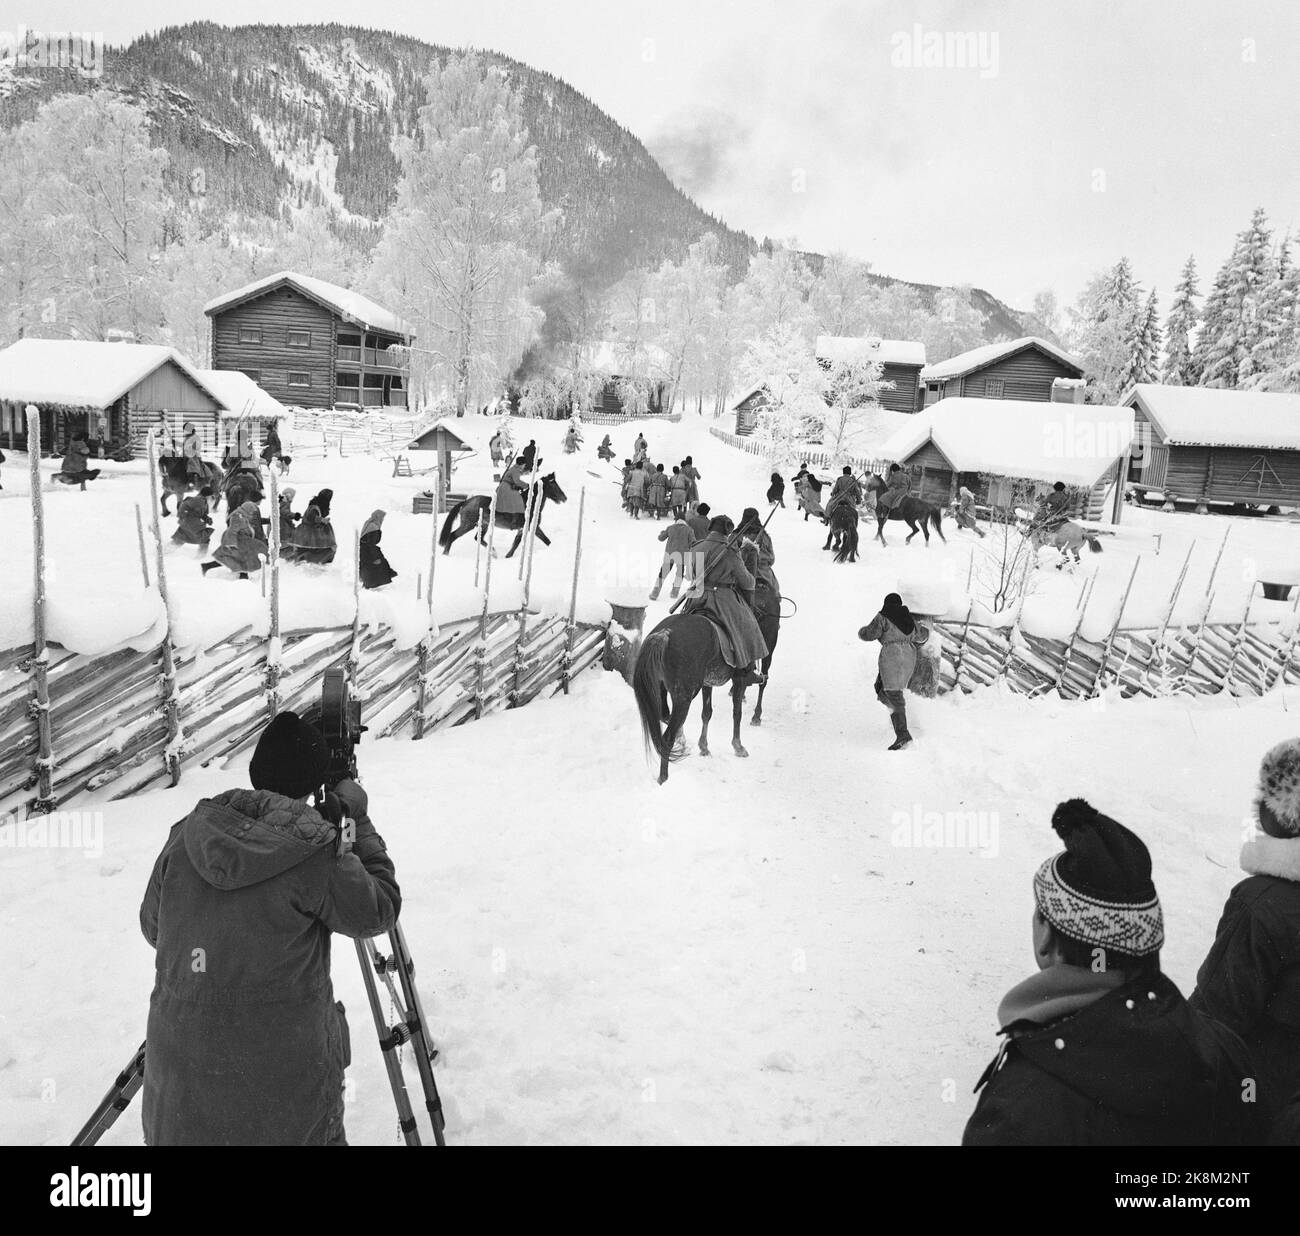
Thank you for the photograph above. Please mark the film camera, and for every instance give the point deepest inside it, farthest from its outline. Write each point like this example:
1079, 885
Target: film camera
339, 720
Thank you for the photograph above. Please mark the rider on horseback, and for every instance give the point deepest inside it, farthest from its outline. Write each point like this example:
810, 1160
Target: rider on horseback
1053, 509
192, 449
752, 530
721, 594
896, 487
846, 489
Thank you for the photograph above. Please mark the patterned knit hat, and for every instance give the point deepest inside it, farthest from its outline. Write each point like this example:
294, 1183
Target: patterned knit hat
1099, 890
1278, 799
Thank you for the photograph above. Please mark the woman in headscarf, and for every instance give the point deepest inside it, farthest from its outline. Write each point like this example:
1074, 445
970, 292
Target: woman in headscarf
243, 547
313, 539
322, 502
194, 522
288, 517
375, 571
900, 635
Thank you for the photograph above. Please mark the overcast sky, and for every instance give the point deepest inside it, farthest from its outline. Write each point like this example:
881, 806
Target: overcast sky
1093, 128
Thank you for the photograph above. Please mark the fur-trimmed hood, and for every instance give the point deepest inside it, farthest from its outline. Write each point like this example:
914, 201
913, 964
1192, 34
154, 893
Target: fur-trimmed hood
1272, 856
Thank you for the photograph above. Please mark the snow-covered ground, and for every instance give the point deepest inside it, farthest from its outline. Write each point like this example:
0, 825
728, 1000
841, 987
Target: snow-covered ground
779, 949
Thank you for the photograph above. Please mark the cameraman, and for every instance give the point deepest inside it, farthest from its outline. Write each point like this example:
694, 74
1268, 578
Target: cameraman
246, 1045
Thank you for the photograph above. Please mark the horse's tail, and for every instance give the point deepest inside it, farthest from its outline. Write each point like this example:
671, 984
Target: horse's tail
647, 685
936, 520
1093, 543
444, 537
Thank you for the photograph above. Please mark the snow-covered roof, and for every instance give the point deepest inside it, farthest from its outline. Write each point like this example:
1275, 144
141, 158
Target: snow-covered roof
84, 373
355, 308
240, 395
458, 433
610, 356
749, 393
1039, 441
1205, 416
967, 362
839, 349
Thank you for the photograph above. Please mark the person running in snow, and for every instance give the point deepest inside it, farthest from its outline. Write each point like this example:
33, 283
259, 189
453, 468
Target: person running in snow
693, 477
288, 517
722, 593
678, 542
313, 539
572, 440
809, 488
74, 470
636, 486
900, 635
964, 512
605, 451
194, 519
1250, 979
374, 567
322, 502
1101, 1049
677, 487
656, 492
776, 490
259, 877
243, 547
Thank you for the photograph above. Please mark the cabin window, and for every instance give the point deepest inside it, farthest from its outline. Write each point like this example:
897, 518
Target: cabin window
349, 341
299, 378
250, 334
375, 380
255, 374
299, 339
348, 379
993, 388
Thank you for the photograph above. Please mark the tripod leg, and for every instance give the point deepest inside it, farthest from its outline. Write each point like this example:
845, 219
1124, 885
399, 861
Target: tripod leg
424, 1051
115, 1102
389, 1040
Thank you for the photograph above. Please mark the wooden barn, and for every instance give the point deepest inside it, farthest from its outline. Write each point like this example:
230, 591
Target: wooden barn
1198, 444
902, 361
113, 391
1007, 452
747, 408
312, 344
1019, 369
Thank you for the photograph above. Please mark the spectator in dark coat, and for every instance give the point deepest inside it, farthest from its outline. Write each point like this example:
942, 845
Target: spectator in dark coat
194, 519
693, 477
677, 491
900, 635
656, 491
1101, 1048
322, 502
1250, 980
243, 546
313, 539
776, 490
272, 449
247, 1046
636, 482
74, 471
375, 571
530, 455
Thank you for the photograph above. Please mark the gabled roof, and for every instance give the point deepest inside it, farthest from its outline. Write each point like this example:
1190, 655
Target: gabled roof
757, 389
423, 441
351, 306
239, 394
978, 358
85, 373
1206, 416
839, 349
1069, 442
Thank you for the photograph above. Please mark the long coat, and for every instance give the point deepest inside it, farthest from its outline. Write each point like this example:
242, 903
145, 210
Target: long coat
656, 490
677, 489
636, 480
692, 475
313, 539
809, 496
897, 651
374, 567
763, 573
1136, 1067
1250, 979
846, 489
74, 458
725, 579
288, 517
193, 523
246, 1044
895, 491
242, 545
511, 491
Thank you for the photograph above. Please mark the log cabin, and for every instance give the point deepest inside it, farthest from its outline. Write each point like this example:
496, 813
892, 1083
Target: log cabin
612, 362
1019, 369
902, 361
748, 407
312, 344
1008, 452
1201, 444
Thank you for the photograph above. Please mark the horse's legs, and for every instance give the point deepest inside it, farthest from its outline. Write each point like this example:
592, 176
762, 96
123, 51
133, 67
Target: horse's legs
907, 540
541, 536
163, 500
757, 718
737, 707
706, 714
514, 545
880, 528
672, 731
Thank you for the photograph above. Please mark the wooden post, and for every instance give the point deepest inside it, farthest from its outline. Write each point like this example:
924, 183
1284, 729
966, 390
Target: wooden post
483, 615
1078, 626
523, 620
530, 535
1214, 570
478, 538
573, 598
354, 653
40, 663
1178, 587
961, 650
273, 659
139, 534
426, 644
1238, 640
528, 511
171, 692
1290, 644
1114, 629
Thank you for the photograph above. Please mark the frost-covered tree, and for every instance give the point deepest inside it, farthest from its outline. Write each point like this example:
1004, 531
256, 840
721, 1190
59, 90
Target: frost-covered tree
1106, 323
1044, 317
1144, 359
841, 296
29, 246
782, 361
1232, 326
852, 392
1183, 318
955, 326
1273, 360
774, 293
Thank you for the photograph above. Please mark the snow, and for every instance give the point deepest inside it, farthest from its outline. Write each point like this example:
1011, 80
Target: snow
352, 305
804, 947
83, 373
977, 358
1205, 416
840, 348
1074, 443
240, 395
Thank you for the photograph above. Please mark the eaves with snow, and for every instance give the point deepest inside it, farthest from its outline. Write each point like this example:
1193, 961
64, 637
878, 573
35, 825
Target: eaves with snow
1207, 416
978, 358
351, 306
845, 349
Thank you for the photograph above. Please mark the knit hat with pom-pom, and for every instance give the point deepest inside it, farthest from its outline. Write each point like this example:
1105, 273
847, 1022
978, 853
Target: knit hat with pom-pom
1098, 890
1278, 799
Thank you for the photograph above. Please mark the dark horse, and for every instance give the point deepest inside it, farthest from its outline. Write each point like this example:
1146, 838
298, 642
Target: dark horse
767, 609
912, 511
242, 485
174, 472
473, 513
843, 534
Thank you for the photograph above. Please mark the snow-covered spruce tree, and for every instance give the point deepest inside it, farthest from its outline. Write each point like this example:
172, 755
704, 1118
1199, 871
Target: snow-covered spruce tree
782, 361
1182, 321
1146, 350
1232, 327
1105, 324
1273, 360
853, 390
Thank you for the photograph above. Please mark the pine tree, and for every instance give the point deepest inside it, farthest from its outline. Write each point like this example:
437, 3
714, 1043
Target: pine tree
1233, 326
1279, 340
1146, 352
1106, 326
1179, 365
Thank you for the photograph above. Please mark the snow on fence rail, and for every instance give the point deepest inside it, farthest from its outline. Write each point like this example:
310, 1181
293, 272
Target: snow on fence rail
611, 418
350, 433
814, 457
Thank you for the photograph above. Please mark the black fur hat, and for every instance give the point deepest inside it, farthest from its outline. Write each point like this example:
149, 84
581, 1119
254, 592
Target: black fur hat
290, 758
1277, 802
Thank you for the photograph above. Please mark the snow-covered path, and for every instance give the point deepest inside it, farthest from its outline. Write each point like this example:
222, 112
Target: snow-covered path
751, 953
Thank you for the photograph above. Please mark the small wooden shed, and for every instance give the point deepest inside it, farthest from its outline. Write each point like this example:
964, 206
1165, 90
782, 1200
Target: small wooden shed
442, 439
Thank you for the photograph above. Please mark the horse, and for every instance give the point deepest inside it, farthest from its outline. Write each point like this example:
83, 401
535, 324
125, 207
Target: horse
918, 514
242, 485
174, 473
680, 659
1066, 538
843, 534
767, 609
473, 513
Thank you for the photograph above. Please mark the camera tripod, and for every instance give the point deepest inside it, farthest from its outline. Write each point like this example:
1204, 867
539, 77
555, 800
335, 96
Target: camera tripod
398, 973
